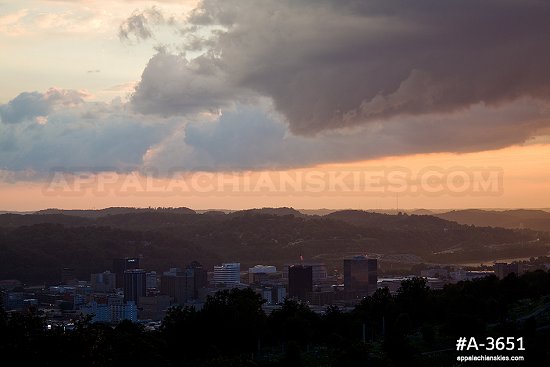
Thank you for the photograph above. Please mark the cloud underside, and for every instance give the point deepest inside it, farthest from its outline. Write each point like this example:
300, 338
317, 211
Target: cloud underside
300, 83
331, 64
109, 136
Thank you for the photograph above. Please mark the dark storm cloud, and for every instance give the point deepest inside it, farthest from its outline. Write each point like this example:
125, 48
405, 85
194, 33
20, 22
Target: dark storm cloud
170, 85
304, 82
76, 134
256, 138
331, 63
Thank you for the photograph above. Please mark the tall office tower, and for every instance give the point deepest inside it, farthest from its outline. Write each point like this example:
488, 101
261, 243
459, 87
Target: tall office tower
121, 265
300, 281
360, 275
319, 271
175, 283
199, 276
183, 286
151, 280
103, 282
135, 283
227, 273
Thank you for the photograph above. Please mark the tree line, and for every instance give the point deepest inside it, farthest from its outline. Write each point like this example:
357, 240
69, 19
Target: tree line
417, 326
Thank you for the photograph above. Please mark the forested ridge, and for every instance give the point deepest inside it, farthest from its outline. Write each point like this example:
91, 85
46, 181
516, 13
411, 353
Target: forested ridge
34, 248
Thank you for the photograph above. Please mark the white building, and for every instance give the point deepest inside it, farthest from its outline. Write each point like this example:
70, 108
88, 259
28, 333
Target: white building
258, 272
227, 273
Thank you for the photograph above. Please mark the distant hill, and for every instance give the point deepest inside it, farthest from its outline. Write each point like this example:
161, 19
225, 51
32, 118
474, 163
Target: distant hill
387, 221
538, 220
14, 212
422, 212
269, 211
214, 212
19, 220
96, 213
317, 211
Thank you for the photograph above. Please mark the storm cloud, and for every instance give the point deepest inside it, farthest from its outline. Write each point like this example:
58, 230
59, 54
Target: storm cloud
75, 135
331, 64
171, 85
257, 138
276, 84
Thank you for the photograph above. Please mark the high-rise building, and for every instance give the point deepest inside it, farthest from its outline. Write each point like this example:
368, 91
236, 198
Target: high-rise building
135, 282
151, 280
360, 275
300, 281
227, 273
121, 265
183, 286
103, 282
319, 271
200, 278
176, 284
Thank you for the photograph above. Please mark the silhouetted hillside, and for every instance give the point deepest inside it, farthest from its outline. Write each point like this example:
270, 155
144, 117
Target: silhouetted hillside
96, 213
36, 247
270, 211
538, 220
18, 220
401, 221
38, 253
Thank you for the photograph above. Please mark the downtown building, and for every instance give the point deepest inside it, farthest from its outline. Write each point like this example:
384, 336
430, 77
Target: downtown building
360, 276
103, 282
111, 310
227, 274
184, 286
300, 281
135, 285
318, 271
120, 265
260, 274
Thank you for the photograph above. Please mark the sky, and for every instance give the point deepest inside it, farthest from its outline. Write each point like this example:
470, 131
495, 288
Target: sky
303, 103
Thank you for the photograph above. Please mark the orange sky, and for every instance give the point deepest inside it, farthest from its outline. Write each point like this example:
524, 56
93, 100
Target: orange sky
525, 172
